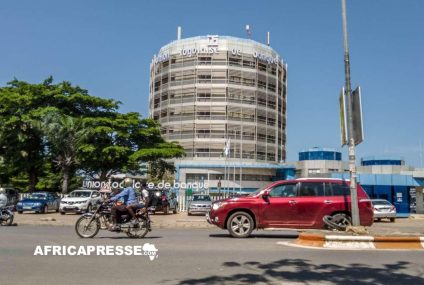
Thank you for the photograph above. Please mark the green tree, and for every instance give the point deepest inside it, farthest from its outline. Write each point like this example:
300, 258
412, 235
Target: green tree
159, 156
21, 142
65, 136
23, 106
47, 130
115, 143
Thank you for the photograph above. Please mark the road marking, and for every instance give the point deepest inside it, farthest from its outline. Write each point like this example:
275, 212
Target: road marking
349, 244
422, 241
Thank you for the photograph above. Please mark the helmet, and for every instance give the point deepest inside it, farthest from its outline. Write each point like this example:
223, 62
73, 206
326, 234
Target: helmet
128, 182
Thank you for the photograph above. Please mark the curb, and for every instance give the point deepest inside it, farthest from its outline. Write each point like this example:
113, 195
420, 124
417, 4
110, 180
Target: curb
360, 242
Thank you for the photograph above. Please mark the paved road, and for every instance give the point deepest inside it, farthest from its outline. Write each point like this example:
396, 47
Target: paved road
198, 256
403, 226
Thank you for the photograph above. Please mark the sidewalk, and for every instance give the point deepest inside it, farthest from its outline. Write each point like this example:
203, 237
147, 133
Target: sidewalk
180, 220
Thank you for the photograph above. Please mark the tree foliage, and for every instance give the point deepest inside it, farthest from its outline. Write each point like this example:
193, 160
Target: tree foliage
65, 137
48, 132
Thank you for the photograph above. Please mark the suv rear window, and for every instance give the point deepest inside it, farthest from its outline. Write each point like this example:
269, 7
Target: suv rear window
311, 189
339, 189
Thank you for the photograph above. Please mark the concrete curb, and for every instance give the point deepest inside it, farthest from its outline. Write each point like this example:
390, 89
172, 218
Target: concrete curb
360, 242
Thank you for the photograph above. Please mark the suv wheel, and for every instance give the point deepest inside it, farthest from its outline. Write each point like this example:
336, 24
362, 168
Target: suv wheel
240, 224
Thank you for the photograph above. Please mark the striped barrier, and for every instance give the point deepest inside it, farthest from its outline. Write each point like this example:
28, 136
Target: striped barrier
360, 242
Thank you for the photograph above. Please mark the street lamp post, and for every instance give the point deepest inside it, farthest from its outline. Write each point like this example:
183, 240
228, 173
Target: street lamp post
350, 131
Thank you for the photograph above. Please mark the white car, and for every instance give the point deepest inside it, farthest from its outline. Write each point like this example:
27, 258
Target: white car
383, 209
79, 201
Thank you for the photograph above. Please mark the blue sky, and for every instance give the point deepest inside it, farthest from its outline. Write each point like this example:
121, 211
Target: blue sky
106, 47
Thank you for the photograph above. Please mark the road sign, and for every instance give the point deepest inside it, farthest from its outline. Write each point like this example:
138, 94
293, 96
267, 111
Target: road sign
358, 134
357, 123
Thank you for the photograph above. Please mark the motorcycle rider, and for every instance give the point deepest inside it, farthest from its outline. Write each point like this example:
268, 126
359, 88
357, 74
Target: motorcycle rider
3, 198
130, 200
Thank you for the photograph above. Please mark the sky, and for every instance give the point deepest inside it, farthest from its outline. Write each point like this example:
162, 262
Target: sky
106, 47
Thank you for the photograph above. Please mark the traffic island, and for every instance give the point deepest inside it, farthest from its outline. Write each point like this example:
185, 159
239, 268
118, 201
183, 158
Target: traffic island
349, 242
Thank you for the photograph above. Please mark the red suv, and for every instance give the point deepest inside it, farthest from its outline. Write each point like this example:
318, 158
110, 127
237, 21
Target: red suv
299, 203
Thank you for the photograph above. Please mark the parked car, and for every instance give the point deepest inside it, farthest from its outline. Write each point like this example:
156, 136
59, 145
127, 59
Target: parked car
12, 195
299, 203
79, 201
40, 202
383, 209
200, 204
162, 201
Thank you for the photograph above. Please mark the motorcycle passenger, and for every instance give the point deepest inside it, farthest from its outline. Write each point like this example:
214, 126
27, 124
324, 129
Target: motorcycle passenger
144, 198
3, 198
129, 196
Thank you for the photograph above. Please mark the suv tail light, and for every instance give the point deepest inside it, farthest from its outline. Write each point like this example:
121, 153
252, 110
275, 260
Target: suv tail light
393, 208
367, 203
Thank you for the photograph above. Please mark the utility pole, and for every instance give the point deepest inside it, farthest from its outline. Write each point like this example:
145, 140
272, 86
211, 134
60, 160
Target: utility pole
350, 131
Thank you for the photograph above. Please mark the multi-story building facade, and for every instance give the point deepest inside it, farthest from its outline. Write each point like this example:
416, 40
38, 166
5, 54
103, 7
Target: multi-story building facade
209, 92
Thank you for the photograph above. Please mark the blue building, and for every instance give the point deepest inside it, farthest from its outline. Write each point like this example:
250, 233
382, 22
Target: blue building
320, 162
319, 153
389, 178
382, 177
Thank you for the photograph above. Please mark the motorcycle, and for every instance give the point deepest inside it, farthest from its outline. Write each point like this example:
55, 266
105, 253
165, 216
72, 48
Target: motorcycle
6, 216
89, 224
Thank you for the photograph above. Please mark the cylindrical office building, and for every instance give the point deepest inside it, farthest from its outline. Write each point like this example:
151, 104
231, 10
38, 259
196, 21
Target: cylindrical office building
224, 100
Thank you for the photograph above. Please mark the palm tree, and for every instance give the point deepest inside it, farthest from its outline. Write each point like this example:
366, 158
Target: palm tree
65, 135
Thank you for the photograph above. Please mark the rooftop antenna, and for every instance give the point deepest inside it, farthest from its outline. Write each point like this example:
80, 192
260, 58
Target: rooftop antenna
179, 33
249, 32
267, 38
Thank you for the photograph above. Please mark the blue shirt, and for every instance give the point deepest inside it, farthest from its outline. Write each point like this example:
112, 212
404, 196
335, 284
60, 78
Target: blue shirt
128, 194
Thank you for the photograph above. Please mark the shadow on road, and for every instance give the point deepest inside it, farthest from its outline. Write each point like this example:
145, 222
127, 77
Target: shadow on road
303, 271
